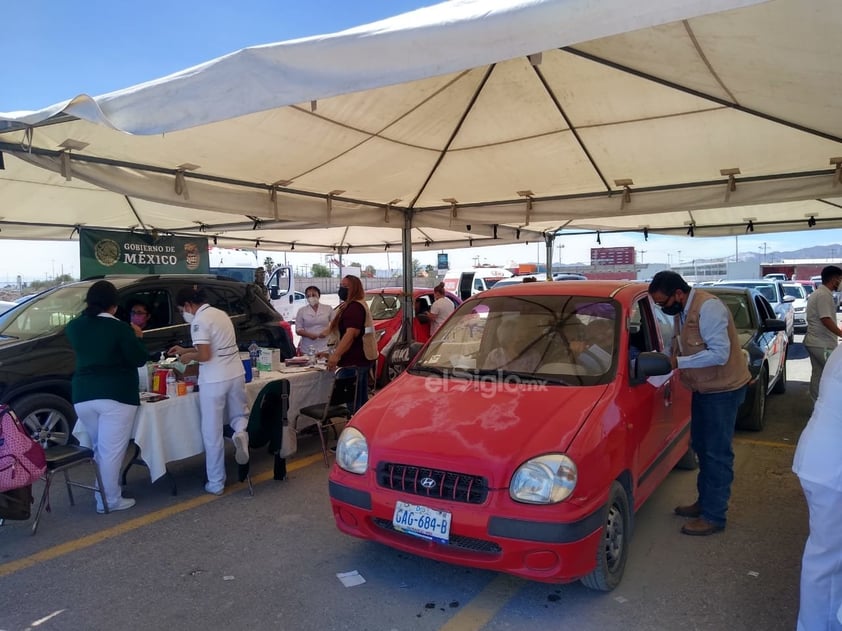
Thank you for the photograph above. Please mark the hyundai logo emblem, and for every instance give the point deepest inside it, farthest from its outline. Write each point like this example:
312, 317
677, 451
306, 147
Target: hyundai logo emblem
428, 483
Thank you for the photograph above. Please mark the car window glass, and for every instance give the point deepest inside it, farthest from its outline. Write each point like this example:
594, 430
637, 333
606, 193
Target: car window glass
793, 290
666, 327
739, 309
157, 301
45, 314
383, 306
571, 337
764, 309
227, 300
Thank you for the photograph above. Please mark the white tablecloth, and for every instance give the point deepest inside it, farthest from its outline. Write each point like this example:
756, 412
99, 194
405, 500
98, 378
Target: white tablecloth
170, 430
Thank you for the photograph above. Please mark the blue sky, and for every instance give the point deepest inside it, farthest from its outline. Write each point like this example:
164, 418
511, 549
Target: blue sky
55, 51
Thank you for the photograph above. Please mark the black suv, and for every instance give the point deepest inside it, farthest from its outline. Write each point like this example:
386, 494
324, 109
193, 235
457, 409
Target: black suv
36, 360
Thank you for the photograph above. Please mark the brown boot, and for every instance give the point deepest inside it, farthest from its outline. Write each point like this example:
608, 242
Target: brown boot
700, 527
691, 510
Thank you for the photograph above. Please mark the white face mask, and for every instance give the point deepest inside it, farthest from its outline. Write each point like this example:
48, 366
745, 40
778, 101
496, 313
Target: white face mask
188, 317
313, 300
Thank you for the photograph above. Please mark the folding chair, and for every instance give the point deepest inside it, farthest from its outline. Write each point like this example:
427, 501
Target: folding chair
61, 458
338, 406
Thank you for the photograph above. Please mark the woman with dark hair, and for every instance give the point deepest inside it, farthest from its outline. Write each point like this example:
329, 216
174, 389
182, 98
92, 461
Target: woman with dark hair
349, 323
105, 385
441, 309
139, 313
311, 323
222, 382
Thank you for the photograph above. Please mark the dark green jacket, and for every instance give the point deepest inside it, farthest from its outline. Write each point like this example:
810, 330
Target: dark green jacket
108, 354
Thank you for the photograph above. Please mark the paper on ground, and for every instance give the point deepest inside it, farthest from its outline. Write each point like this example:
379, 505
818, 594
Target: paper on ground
350, 579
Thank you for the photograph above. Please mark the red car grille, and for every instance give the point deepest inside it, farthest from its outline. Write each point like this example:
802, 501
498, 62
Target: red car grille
446, 485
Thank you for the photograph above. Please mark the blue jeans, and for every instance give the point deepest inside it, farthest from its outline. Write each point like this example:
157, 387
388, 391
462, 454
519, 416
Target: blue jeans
362, 384
711, 432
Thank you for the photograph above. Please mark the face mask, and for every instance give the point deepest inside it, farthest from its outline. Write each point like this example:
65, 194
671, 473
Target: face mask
188, 317
313, 300
674, 309
139, 319
343, 293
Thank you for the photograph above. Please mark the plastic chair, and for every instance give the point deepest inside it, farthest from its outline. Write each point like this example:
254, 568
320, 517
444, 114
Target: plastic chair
63, 458
338, 406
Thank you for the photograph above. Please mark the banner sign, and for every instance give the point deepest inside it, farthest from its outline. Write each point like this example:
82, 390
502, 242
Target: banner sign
112, 252
443, 261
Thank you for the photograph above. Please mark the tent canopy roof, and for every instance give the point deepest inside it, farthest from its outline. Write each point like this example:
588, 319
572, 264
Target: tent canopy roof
478, 122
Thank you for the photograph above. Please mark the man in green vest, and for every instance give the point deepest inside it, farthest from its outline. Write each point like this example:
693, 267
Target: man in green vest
707, 352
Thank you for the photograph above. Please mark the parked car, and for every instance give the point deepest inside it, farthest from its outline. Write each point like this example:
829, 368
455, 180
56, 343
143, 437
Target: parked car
776, 276
387, 312
763, 338
533, 467
37, 362
799, 306
773, 291
558, 276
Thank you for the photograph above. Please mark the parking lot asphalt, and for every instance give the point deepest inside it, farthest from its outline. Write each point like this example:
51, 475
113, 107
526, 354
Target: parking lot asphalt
196, 561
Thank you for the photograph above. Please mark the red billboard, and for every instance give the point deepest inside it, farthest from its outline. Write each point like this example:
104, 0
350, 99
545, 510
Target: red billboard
612, 256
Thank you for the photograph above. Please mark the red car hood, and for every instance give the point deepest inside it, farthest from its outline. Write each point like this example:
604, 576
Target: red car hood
477, 427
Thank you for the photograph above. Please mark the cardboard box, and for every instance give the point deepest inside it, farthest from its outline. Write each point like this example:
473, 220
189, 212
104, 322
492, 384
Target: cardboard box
264, 361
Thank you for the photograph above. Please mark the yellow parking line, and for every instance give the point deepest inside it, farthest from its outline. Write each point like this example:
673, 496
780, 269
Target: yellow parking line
133, 524
479, 612
763, 443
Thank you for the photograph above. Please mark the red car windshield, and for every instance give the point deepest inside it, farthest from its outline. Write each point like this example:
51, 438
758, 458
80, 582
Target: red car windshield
571, 339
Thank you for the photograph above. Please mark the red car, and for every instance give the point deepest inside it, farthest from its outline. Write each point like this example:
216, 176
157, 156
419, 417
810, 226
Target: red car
524, 435
387, 312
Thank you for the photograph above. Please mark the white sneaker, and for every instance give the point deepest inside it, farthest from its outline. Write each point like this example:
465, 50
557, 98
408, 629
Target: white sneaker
241, 444
214, 490
122, 504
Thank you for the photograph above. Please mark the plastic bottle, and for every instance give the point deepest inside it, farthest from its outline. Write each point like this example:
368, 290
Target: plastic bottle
254, 355
172, 386
162, 358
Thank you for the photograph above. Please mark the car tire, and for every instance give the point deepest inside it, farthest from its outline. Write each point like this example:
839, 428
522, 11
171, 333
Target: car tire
613, 548
755, 420
780, 384
48, 418
689, 461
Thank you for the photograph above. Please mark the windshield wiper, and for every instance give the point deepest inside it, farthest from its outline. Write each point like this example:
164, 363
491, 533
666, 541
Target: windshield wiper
433, 370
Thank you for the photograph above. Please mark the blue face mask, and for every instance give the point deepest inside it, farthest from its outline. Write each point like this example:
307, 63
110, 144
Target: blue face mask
343, 293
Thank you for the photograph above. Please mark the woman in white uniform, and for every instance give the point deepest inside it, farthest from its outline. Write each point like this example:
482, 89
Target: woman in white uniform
818, 464
311, 323
222, 384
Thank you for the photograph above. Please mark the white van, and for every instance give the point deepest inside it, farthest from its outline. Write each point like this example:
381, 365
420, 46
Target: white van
467, 282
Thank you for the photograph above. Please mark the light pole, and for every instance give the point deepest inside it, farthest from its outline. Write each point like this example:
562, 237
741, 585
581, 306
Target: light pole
641, 253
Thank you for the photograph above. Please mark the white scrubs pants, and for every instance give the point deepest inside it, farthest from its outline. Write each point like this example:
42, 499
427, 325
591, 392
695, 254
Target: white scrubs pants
821, 565
214, 398
109, 424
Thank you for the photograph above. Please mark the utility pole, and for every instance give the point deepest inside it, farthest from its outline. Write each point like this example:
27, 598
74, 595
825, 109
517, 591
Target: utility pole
641, 253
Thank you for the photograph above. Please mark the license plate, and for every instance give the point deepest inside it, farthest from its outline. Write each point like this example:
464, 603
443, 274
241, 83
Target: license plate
421, 521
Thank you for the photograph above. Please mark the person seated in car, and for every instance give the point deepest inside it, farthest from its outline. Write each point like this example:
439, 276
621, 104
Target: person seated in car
519, 351
587, 353
139, 313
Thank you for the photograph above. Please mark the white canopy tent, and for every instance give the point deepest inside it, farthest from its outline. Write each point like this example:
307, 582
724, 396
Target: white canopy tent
461, 124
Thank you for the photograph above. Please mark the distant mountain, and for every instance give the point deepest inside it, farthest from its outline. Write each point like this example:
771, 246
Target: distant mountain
833, 251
